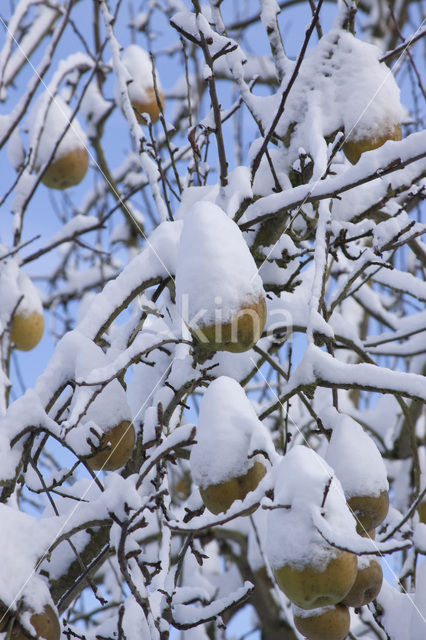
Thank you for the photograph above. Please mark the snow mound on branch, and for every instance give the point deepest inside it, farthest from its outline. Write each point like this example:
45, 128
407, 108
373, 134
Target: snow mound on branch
354, 456
216, 274
47, 121
231, 197
140, 70
228, 431
305, 485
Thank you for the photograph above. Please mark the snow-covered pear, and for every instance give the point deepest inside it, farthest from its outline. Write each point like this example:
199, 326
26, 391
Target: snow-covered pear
141, 85
327, 623
355, 146
115, 447
27, 324
108, 414
367, 585
228, 431
69, 164
372, 115
46, 625
219, 497
219, 292
311, 572
359, 466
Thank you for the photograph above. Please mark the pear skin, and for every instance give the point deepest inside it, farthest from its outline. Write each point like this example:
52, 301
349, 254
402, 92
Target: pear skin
66, 171
366, 587
115, 448
421, 509
332, 624
369, 511
309, 588
149, 106
236, 336
219, 497
46, 625
27, 330
354, 148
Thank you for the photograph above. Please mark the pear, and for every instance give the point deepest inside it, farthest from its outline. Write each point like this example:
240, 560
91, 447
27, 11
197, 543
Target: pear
219, 292
236, 336
367, 585
149, 105
369, 511
115, 447
353, 148
309, 588
219, 497
141, 85
66, 170
27, 330
46, 625
331, 623
421, 509
222, 460
71, 160
27, 324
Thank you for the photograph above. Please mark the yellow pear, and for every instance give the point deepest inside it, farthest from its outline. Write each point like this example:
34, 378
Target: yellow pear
67, 170
328, 624
421, 509
367, 585
141, 84
219, 497
27, 330
115, 447
309, 588
238, 335
369, 511
354, 148
45, 623
149, 105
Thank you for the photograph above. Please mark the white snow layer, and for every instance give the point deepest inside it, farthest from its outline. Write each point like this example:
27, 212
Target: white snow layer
216, 274
108, 408
51, 120
342, 81
305, 486
20, 550
140, 75
354, 456
228, 431
14, 285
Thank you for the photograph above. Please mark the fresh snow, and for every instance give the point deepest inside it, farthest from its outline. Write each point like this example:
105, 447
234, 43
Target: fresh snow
228, 432
354, 456
216, 274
